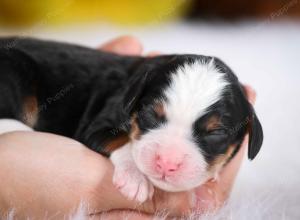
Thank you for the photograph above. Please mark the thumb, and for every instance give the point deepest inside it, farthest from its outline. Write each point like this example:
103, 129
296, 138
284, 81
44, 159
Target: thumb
169, 203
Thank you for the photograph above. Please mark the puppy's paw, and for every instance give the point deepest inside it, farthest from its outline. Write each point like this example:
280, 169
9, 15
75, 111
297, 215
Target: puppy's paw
132, 183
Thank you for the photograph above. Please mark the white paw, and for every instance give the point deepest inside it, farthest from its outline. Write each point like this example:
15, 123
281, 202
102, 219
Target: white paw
132, 183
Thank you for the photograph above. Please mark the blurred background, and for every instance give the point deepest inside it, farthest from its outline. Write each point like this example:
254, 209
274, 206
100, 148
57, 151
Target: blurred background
260, 40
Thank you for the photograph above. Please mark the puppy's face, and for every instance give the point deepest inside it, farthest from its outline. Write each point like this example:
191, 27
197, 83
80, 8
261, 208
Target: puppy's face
188, 119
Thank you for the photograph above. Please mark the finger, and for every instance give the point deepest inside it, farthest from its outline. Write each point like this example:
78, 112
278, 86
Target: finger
213, 194
251, 94
124, 214
125, 45
168, 204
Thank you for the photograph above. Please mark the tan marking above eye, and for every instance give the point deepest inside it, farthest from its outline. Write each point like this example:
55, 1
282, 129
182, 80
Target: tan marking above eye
212, 123
159, 109
30, 111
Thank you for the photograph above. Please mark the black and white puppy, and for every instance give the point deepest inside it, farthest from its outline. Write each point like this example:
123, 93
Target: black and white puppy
169, 121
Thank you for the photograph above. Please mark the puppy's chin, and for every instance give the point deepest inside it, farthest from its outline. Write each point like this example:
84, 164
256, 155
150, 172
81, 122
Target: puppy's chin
166, 185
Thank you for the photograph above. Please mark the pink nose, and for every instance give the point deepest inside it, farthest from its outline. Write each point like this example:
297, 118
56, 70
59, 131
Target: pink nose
165, 166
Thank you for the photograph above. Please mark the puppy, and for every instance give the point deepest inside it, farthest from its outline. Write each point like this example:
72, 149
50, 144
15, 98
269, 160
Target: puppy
169, 121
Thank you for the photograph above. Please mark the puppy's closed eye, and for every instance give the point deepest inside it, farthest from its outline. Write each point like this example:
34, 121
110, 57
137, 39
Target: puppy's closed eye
215, 141
215, 137
217, 131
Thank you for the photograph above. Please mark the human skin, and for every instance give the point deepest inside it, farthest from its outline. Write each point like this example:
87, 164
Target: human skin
46, 175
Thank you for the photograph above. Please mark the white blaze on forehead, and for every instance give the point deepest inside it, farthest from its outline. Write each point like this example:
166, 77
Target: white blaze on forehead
193, 88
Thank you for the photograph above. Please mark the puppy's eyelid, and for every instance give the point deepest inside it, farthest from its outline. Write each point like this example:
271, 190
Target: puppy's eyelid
219, 130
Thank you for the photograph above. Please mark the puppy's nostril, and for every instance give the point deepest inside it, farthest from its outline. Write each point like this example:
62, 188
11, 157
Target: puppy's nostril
175, 167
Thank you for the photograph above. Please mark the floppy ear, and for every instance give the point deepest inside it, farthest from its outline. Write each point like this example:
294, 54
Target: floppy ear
255, 136
134, 92
108, 128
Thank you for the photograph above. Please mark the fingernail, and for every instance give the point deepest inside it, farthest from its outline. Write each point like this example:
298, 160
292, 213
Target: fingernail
126, 45
153, 54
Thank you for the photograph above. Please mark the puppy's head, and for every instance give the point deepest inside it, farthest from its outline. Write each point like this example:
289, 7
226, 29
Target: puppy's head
189, 116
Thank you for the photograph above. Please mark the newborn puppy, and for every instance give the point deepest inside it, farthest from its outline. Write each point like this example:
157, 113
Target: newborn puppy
170, 121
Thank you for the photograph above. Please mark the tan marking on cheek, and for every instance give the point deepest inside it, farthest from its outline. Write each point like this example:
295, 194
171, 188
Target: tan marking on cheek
217, 164
124, 138
135, 132
116, 143
30, 110
213, 123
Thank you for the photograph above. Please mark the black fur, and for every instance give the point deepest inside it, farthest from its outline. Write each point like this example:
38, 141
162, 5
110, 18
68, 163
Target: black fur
91, 95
